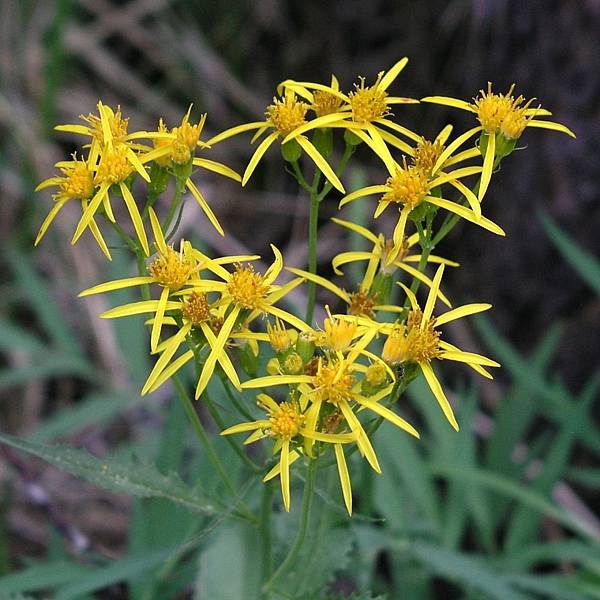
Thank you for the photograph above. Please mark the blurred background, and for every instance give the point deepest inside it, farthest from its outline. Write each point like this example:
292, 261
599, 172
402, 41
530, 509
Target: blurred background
154, 58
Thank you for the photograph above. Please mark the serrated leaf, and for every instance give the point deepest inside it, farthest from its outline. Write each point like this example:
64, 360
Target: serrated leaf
135, 480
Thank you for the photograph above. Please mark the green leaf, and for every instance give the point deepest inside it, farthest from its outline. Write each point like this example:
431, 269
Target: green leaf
135, 480
586, 264
13, 337
42, 576
469, 571
551, 586
514, 490
229, 566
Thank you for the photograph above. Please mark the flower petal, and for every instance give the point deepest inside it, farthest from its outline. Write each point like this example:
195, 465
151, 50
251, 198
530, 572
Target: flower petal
438, 392
344, 477
321, 163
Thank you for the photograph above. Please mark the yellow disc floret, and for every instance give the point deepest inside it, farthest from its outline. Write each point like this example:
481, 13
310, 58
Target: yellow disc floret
246, 287
172, 269
333, 382
287, 114
161, 142
196, 308
408, 186
325, 103
286, 421
426, 155
376, 374
116, 123
368, 103
361, 305
502, 113
114, 165
338, 333
279, 337
77, 182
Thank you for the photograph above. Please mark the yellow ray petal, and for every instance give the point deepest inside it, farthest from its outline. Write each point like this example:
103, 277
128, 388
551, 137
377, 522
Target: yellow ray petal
89, 212
116, 284
363, 231
134, 213
344, 477
314, 124
99, 239
284, 470
400, 129
273, 271
454, 175
361, 193
217, 167
137, 165
391, 75
461, 311
269, 380
550, 125
410, 295
234, 131
467, 214
217, 348
432, 296
322, 282
258, 154
470, 358
453, 146
159, 238
488, 166
469, 195
447, 101
171, 370
249, 426
167, 353
321, 163
348, 257
204, 206
274, 472
438, 392
158, 319
78, 129
52, 181
49, 218
362, 441
223, 358
136, 308
424, 279
389, 415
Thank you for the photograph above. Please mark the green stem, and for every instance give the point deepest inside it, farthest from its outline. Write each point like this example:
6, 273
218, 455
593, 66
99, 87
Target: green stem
266, 508
313, 225
179, 187
205, 441
307, 499
235, 401
214, 413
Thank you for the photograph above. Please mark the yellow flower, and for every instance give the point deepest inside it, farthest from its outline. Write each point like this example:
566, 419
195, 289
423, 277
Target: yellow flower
244, 292
363, 111
411, 184
499, 115
286, 426
286, 116
76, 183
332, 381
418, 341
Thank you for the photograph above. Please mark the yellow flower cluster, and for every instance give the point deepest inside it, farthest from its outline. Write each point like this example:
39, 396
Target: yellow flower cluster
330, 386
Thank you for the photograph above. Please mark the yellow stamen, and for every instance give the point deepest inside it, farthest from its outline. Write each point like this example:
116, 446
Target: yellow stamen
196, 308
325, 103
247, 287
368, 103
293, 364
376, 375
502, 112
279, 337
426, 155
408, 186
338, 333
361, 305
172, 269
78, 181
118, 125
287, 114
331, 385
286, 421
114, 165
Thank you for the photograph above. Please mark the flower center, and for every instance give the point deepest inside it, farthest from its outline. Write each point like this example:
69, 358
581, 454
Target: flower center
368, 103
116, 123
247, 287
388, 247
411, 343
408, 186
330, 385
286, 421
279, 337
114, 165
325, 103
426, 155
196, 308
361, 305
338, 333
502, 112
172, 269
376, 375
287, 114
78, 181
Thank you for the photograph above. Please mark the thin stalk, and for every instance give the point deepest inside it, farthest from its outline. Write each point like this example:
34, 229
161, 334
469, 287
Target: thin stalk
307, 499
179, 187
313, 226
235, 401
266, 508
205, 441
214, 413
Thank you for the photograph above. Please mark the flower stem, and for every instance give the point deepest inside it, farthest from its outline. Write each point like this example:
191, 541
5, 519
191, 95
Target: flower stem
266, 507
313, 225
307, 499
205, 441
